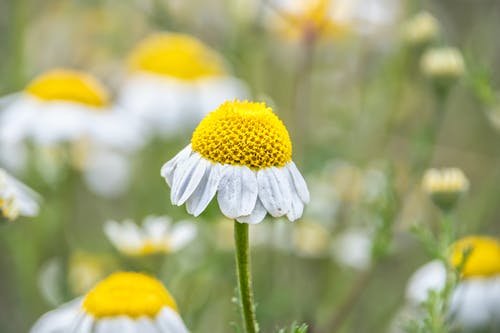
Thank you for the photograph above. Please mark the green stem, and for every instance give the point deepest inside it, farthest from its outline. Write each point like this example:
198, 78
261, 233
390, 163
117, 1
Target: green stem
244, 277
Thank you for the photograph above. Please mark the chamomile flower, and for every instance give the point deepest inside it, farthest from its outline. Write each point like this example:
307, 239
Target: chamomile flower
124, 302
16, 199
62, 106
70, 111
475, 301
331, 19
174, 80
156, 236
242, 152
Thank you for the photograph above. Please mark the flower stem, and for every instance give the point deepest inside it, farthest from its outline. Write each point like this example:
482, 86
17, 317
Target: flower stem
244, 277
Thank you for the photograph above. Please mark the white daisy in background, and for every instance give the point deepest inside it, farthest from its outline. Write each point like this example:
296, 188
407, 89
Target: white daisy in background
124, 302
66, 108
353, 248
298, 19
475, 302
158, 235
242, 152
16, 199
174, 80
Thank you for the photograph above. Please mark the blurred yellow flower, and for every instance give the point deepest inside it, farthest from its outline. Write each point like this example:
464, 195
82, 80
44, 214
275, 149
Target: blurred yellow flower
482, 256
124, 302
241, 151
330, 19
176, 55
311, 239
69, 85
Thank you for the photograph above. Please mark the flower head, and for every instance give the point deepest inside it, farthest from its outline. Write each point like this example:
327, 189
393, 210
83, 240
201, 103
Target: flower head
444, 63
330, 19
243, 152
174, 80
16, 199
421, 29
158, 235
445, 186
124, 302
474, 301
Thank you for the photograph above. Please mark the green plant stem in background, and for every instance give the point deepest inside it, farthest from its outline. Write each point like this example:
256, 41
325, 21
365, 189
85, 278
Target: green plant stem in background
244, 276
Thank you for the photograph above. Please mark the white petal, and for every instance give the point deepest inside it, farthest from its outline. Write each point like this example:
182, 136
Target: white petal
83, 324
205, 192
274, 191
116, 325
182, 233
187, 179
431, 276
299, 182
169, 322
296, 204
257, 215
296, 208
237, 191
59, 320
168, 169
146, 325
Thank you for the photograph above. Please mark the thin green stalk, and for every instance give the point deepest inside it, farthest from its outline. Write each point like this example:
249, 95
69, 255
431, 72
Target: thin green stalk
244, 276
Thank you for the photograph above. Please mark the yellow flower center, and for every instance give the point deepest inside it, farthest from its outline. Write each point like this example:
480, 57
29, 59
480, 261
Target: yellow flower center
69, 85
128, 294
483, 257
176, 55
243, 133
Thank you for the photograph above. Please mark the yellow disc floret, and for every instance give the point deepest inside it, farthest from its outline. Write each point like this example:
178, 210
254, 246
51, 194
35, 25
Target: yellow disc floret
243, 133
482, 256
69, 85
128, 294
176, 55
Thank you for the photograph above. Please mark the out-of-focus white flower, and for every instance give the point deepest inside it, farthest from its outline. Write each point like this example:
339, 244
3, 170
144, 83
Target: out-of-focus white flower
431, 276
353, 248
16, 199
298, 19
122, 303
70, 111
421, 29
62, 106
242, 152
445, 186
157, 235
174, 80
474, 303
443, 63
